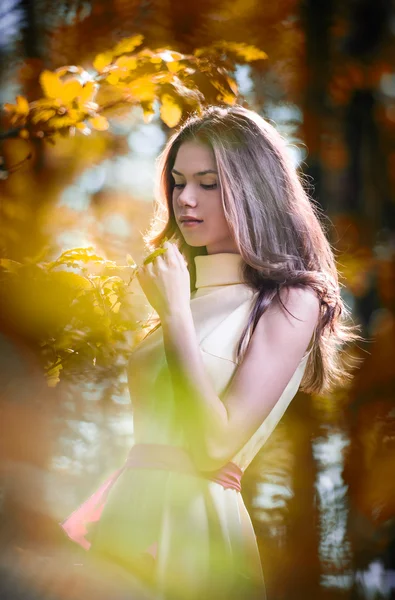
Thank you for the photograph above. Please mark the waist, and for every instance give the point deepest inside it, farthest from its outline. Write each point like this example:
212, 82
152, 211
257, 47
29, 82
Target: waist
173, 458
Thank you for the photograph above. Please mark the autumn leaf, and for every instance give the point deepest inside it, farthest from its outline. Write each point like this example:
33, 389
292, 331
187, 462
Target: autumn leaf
170, 111
51, 84
52, 375
88, 91
249, 53
83, 128
9, 265
142, 89
102, 61
42, 115
128, 45
22, 105
19, 111
70, 90
245, 51
174, 67
99, 123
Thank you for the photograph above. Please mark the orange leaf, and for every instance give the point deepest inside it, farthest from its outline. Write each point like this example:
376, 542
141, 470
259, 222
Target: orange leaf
100, 123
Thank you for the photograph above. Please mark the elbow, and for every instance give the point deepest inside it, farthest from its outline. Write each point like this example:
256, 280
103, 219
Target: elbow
209, 458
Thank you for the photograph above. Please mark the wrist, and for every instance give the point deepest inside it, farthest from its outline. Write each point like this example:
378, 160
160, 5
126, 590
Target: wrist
176, 317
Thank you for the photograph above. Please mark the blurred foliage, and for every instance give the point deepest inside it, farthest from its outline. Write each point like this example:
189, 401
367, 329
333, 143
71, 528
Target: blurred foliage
77, 100
77, 308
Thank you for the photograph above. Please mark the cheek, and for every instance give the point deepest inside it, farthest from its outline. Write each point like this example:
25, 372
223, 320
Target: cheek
217, 209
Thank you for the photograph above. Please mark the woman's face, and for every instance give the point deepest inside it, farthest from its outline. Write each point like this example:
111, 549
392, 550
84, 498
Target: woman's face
197, 193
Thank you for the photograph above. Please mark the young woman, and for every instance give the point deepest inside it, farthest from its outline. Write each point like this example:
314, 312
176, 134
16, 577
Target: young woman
249, 308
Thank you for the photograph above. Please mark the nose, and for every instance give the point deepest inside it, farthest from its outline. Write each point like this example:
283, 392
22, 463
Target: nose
187, 196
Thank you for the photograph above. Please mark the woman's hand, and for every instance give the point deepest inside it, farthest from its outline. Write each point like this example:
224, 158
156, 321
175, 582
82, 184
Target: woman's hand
166, 282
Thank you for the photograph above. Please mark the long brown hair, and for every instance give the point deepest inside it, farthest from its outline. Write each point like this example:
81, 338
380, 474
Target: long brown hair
278, 229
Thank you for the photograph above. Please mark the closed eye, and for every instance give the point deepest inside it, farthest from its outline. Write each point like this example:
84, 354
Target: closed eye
212, 186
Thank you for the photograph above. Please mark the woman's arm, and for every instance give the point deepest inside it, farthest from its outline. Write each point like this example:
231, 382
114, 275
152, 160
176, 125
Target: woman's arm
217, 429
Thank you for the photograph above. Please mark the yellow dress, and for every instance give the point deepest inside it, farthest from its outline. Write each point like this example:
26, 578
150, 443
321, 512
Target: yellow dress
199, 533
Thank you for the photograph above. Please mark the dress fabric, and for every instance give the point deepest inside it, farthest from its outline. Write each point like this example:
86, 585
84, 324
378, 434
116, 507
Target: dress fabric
187, 536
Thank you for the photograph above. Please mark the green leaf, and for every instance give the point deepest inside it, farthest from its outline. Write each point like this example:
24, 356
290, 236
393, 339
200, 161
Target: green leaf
52, 375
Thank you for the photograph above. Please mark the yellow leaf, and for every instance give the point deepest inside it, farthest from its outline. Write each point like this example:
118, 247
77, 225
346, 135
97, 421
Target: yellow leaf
9, 265
100, 123
51, 84
142, 88
24, 134
126, 62
128, 44
227, 98
170, 112
53, 375
61, 122
46, 103
116, 308
148, 111
88, 91
246, 51
102, 60
71, 89
10, 107
174, 67
19, 111
83, 128
23, 105
42, 115
232, 84
112, 78
170, 55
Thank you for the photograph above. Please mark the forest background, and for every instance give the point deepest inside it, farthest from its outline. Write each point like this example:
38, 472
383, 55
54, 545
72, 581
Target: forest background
90, 92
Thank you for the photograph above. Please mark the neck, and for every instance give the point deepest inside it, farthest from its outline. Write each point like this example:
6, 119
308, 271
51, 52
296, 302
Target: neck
221, 268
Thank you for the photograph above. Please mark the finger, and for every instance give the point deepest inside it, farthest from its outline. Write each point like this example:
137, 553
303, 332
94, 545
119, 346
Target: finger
180, 258
170, 254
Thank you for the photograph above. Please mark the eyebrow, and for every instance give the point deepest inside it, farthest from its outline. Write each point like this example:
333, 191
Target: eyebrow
199, 174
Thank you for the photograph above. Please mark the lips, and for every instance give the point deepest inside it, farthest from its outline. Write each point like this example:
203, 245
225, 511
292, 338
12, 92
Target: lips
190, 220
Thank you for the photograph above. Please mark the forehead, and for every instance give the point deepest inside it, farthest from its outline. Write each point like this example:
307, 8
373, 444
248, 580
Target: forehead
193, 157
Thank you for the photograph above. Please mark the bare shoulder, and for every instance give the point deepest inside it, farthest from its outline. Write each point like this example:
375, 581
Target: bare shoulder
296, 311
301, 301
